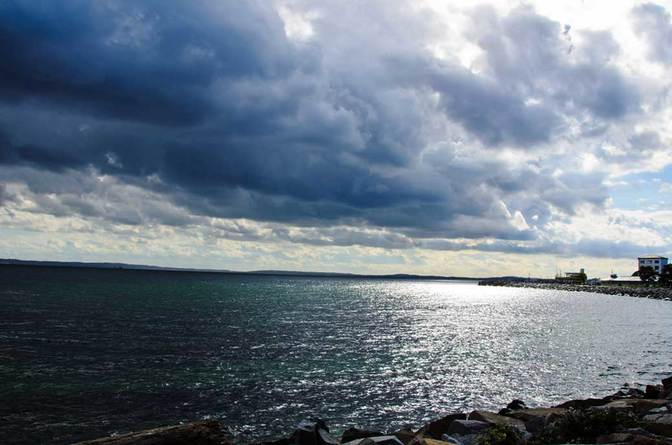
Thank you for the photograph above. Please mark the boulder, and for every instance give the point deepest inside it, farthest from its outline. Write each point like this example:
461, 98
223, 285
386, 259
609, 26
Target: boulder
376, 440
514, 405
450, 441
313, 432
617, 438
467, 427
355, 433
496, 419
644, 440
445, 440
637, 406
627, 393
536, 419
440, 426
667, 388
633, 438
653, 391
660, 410
659, 423
582, 404
283, 441
196, 433
531, 413
405, 435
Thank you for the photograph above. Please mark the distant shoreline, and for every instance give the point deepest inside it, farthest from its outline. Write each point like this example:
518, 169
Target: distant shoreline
639, 291
281, 273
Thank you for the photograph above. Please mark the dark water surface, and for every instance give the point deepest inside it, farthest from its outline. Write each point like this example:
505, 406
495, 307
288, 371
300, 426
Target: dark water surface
85, 353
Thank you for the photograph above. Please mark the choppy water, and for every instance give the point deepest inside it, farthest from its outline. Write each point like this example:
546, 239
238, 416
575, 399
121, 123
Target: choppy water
84, 353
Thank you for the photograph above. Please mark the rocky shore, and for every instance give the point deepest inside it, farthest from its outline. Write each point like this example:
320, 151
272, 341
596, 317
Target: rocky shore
630, 416
641, 291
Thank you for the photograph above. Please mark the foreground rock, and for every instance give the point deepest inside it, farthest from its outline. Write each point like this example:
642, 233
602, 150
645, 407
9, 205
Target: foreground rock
496, 419
309, 432
355, 433
629, 416
537, 419
197, 433
376, 440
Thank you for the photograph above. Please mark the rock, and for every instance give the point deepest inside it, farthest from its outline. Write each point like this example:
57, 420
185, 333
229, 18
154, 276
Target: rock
653, 391
659, 410
514, 405
531, 413
582, 404
638, 431
643, 440
196, 433
536, 419
620, 438
468, 439
405, 435
667, 388
313, 432
502, 434
377, 440
496, 419
451, 440
638, 406
355, 433
630, 438
445, 440
440, 426
659, 423
627, 393
466, 427
283, 441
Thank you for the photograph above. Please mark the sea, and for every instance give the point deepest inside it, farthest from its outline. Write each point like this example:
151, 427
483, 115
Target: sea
86, 353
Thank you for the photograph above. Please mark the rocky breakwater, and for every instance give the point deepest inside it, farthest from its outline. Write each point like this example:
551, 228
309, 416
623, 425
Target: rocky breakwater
631, 416
641, 291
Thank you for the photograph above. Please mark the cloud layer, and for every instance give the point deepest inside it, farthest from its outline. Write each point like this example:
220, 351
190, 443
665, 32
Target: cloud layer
329, 124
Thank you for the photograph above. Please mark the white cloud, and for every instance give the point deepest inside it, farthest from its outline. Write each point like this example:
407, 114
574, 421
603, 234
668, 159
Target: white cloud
403, 134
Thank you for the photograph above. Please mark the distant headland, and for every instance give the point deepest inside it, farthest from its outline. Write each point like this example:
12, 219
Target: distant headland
143, 267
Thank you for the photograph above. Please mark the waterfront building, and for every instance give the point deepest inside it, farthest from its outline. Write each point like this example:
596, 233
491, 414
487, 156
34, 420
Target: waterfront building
654, 261
573, 277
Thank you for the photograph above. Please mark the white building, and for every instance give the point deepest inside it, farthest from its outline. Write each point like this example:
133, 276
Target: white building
657, 262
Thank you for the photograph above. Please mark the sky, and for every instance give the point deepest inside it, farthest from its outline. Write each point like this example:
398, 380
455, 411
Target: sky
380, 136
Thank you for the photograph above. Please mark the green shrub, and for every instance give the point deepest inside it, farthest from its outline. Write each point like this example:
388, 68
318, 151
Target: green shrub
584, 426
499, 435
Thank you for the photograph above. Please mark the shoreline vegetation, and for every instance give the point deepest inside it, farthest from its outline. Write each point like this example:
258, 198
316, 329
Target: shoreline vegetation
644, 290
630, 416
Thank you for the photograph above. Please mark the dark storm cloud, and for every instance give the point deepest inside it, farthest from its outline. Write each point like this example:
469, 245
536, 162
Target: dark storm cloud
134, 61
49, 158
4, 195
654, 23
212, 107
491, 114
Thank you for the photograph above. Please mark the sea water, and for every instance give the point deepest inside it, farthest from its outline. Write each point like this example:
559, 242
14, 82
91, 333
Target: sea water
85, 353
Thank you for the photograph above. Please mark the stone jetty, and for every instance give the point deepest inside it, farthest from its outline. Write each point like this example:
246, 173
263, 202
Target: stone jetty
641, 291
630, 416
